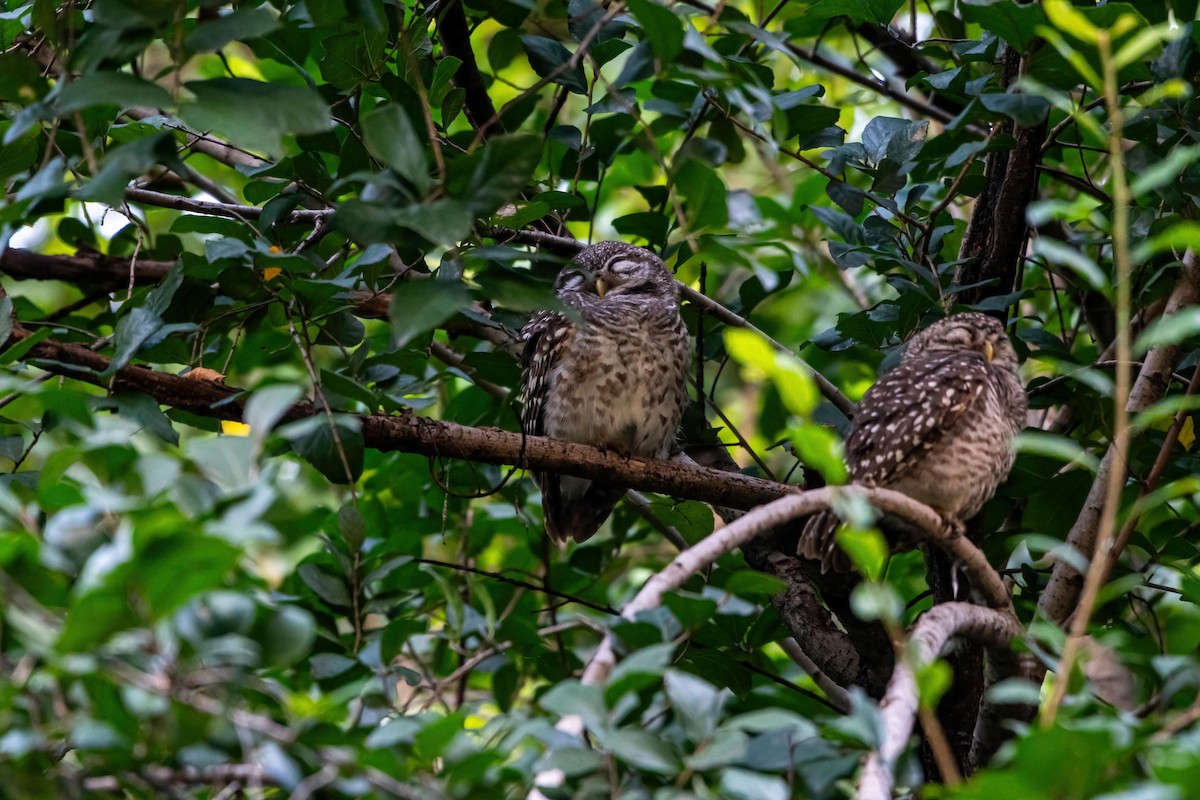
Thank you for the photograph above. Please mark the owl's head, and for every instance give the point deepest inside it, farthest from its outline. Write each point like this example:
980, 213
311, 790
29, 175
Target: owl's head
969, 332
616, 269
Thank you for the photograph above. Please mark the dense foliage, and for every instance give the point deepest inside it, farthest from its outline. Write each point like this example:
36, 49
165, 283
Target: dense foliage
320, 211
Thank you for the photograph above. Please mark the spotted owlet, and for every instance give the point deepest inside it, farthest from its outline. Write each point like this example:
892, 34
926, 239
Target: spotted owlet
615, 378
939, 427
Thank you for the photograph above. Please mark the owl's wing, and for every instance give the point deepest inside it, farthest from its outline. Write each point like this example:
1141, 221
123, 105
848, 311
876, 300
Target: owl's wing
909, 410
543, 336
572, 507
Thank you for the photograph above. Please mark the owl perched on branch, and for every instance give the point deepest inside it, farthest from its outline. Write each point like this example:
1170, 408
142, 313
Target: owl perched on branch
939, 427
616, 378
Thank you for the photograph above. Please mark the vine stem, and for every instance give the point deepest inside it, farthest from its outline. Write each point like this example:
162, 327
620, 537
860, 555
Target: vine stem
1098, 569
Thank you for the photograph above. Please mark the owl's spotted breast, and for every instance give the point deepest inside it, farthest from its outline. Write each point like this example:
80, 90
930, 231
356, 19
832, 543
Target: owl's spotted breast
939, 427
617, 380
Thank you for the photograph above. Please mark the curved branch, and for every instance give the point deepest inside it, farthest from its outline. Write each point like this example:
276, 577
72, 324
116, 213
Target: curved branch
702, 555
993, 628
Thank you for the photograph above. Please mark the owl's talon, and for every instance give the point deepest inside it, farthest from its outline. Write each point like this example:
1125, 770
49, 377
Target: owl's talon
955, 526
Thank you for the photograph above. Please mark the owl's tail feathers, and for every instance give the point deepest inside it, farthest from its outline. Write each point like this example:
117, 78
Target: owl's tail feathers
818, 542
575, 508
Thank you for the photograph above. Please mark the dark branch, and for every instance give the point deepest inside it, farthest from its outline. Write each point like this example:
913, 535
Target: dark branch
456, 40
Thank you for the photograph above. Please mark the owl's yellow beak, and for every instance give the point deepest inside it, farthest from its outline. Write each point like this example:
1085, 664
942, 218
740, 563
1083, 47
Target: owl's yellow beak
989, 352
600, 287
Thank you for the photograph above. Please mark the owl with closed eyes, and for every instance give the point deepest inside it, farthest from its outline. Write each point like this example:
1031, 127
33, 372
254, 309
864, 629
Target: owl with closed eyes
612, 375
939, 427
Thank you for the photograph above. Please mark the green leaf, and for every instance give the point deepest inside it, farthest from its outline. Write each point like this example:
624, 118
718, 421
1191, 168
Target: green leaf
1066, 18
574, 762
704, 195
725, 749
548, 57
1168, 330
932, 682
1179, 237
572, 698
442, 222
1057, 447
94, 617
353, 59
222, 104
1026, 110
752, 584
352, 526
642, 749
868, 550
265, 408
741, 784
759, 358
1163, 172
334, 445
660, 26
172, 570
145, 411
122, 164
288, 636
651, 661
871, 601
419, 306
1015, 23
1075, 260
6, 319
391, 137
495, 174
242, 24
112, 88
696, 702
330, 588
143, 326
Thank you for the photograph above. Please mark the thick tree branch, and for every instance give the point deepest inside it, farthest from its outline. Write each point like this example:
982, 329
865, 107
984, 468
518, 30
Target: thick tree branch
456, 40
993, 628
429, 437
995, 238
839, 651
81, 268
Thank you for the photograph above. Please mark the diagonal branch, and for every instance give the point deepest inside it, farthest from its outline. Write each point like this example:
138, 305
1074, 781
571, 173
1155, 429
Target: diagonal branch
787, 508
1062, 593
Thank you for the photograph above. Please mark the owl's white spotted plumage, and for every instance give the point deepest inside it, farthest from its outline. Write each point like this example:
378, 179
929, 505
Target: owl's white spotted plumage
939, 427
616, 379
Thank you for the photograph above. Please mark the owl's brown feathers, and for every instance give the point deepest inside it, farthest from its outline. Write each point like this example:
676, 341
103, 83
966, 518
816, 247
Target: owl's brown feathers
938, 427
617, 379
